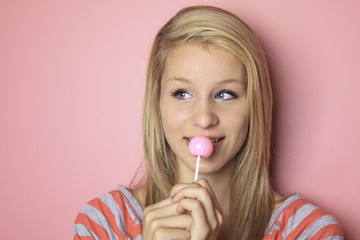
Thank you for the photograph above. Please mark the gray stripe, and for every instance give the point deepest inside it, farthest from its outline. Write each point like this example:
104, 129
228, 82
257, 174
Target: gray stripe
297, 218
274, 226
334, 238
138, 237
82, 230
136, 206
111, 203
99, 218
131, 212
317, 225
276, 216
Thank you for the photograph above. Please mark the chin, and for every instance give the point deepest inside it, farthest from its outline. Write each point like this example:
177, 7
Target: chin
208, 168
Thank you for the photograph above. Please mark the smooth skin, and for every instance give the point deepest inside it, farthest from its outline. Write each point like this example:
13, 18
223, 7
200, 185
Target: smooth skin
203, 93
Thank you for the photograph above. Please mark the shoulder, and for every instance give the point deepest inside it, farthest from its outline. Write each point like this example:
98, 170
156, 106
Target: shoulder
114, 215
296, 218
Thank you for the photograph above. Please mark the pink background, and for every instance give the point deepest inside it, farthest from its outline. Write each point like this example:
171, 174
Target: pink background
71, 87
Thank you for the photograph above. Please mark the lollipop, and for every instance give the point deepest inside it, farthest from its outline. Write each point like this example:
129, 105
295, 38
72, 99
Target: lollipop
200, 147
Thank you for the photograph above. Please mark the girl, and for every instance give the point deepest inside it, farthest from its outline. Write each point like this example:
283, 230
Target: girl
207, 76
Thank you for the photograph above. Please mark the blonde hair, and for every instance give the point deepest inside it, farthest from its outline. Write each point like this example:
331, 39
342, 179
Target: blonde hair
251, 195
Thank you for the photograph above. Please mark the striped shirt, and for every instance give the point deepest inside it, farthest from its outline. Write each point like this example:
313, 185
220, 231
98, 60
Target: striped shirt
112, 216
118, 215
298, 219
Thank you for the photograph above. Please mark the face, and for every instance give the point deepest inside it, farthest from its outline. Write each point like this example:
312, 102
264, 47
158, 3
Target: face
203, 93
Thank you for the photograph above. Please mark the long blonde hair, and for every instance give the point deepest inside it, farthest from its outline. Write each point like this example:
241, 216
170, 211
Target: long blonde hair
251, 195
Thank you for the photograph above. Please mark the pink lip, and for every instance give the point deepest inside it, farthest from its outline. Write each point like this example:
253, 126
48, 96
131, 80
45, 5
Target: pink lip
187, 139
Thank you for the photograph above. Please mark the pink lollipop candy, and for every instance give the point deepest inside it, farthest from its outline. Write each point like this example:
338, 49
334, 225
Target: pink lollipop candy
200, 147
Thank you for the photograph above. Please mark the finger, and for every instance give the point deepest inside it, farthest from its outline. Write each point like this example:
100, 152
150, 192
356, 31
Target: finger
171, 233
202, 195
194, 207
158, 205
218, 209
176, 188
195, 192
152, 213
200, 183
219, 217
199, 226
181, 221
204, 183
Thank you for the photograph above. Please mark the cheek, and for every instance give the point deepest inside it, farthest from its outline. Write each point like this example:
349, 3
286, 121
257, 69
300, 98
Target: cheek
172, 118
239, 121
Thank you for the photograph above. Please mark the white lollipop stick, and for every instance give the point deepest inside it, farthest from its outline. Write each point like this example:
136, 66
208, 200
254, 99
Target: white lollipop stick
197, 168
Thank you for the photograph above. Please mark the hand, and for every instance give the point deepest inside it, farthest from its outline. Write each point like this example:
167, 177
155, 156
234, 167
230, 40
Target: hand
199, 201
162, 221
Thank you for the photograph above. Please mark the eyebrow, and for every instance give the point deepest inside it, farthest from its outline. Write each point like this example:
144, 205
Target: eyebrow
231, 80
225, 81
178, 79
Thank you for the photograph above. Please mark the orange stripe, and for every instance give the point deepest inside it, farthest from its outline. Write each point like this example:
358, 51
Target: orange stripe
135, 230
77, 237
108, 214
289, 211
306, 223
327, 231
93, 226
274, 235
132, 229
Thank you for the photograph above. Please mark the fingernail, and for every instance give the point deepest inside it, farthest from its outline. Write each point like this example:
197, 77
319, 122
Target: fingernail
173, 196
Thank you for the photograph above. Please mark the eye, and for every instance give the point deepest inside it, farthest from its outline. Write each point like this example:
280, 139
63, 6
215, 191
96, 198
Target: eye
226, 95
181, 94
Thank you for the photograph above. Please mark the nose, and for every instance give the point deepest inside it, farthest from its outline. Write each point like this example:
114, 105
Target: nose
204, 115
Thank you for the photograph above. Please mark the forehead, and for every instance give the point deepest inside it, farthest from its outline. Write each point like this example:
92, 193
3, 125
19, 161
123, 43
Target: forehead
195, 61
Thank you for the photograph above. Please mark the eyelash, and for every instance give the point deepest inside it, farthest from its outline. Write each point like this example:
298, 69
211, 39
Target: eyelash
232, 93
179, 91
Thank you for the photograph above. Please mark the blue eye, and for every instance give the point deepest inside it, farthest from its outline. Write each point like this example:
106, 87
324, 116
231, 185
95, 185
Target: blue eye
181, 94
226, 95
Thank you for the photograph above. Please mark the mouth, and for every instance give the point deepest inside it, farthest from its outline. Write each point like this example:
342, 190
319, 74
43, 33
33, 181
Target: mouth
213, 140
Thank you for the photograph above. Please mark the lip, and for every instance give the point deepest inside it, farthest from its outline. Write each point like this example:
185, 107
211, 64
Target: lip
219, 139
